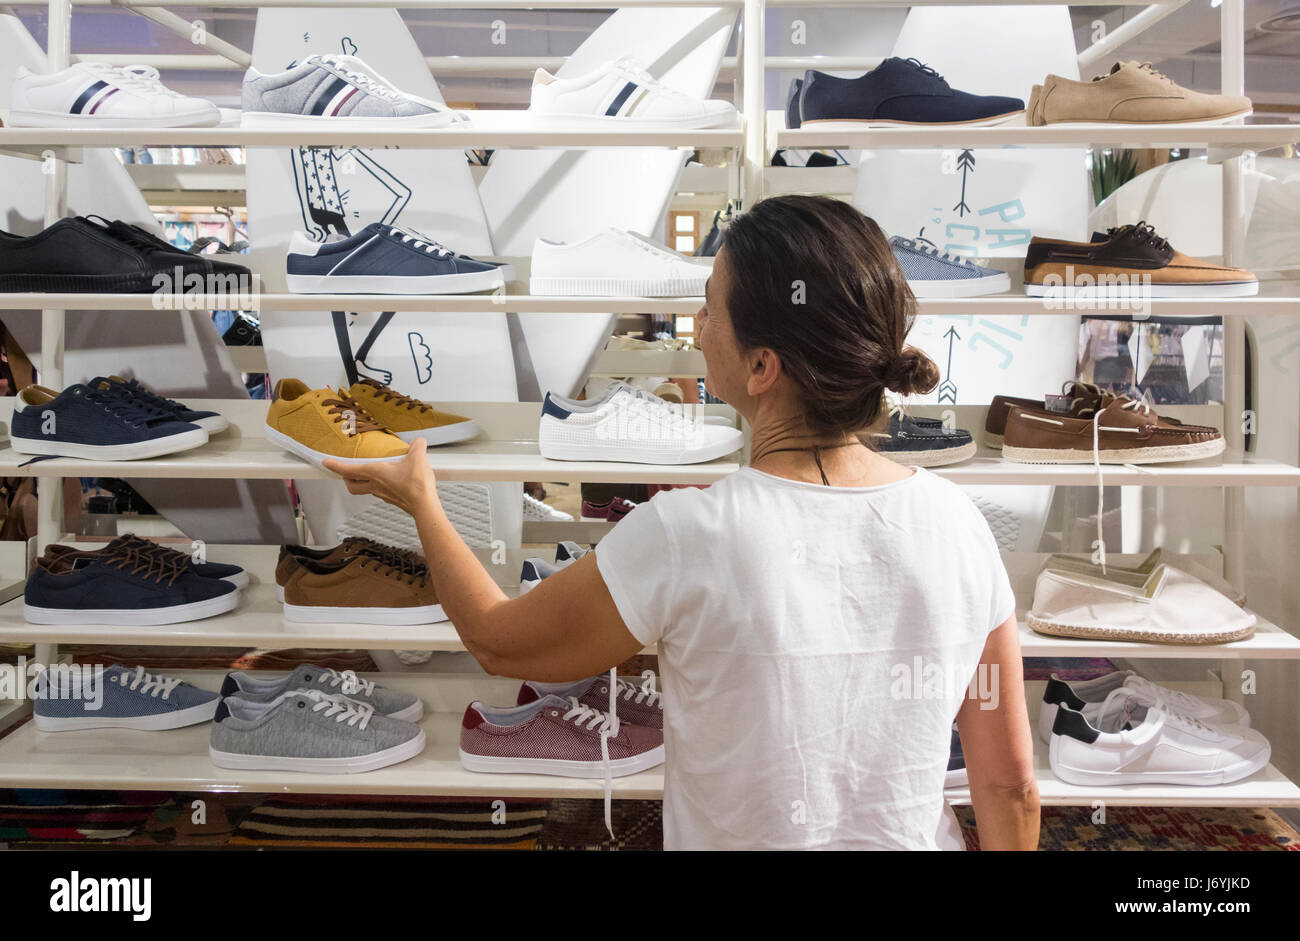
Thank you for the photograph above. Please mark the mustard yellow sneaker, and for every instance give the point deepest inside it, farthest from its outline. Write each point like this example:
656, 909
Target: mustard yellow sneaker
410, 418
319, 423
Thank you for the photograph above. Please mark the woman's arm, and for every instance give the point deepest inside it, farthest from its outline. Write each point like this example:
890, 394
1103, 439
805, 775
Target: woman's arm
999, 750
566, 628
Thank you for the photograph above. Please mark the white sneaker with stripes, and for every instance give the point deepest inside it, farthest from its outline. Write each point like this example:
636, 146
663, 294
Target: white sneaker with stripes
622, 92
91, 94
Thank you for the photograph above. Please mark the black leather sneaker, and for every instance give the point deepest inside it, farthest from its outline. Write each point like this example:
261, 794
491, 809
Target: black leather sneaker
92, 255
898, 91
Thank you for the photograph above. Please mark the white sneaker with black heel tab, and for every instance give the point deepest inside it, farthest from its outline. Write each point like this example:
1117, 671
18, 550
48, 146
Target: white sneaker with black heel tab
614, 263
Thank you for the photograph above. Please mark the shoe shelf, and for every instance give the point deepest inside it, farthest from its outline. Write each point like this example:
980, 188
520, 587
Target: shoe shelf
491, 130
1237, 138
579, 531
506, 450
252, 359
357, 303
178, 760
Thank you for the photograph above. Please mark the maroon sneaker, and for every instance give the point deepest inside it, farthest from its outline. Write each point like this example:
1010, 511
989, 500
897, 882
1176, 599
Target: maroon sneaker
635, 704
613, 511
554, 736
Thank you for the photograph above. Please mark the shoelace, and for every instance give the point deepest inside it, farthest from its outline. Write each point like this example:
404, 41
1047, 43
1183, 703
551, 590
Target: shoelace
149, 547
1143, 232
419, 579
634, 692
130, 411
1176, 699
1152, 699
138, 389
929, 248
143, 77
634, 67
667, 416
348, 679
155, 685
339, 708
340, 408
924, 68
392, 395
418, 240
1128, 405
374, 83
607, 724
147, 565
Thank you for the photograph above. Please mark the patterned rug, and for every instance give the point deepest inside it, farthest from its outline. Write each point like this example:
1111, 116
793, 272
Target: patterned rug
1067, 668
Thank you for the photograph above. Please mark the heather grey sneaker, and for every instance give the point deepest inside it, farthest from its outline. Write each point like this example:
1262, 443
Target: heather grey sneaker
307, 730
336, 88
386, 702
118, 698
634, 702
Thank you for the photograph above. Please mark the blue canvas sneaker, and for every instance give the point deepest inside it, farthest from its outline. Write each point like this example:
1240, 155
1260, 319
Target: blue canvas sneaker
898, 91
386, 259
211, 422
117, 698
96, 424
922, 442
125, 587
225, 571
932, 273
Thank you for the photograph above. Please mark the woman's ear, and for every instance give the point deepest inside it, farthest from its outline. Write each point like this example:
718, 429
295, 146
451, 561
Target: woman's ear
764, 368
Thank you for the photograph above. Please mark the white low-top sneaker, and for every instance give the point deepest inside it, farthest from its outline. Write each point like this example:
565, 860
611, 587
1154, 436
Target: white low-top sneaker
624, 426
535, 511
622, 92
1087, 697
614, 263
1139, 739
91, 94
337, 89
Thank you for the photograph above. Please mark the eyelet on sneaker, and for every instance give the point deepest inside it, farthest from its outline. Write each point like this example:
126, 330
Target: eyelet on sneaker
604, 689
554, 713
301, 704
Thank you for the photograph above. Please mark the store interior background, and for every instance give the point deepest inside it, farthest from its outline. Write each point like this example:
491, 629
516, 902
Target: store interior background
1184, 46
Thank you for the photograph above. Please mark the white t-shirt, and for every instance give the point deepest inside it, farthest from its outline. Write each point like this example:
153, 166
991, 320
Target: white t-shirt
804, 633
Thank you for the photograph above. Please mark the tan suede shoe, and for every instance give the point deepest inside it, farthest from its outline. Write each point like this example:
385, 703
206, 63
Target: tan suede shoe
410, 418
1127, 432
316, 424
360, 590
290, 557
1133, 93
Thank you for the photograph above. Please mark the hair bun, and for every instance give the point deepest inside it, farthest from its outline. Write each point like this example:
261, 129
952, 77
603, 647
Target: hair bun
911, 372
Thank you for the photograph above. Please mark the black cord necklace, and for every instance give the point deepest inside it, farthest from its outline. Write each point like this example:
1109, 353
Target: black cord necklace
816, 450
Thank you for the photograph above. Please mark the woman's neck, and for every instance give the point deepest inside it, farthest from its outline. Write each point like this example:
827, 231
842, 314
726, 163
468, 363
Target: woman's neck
783, 446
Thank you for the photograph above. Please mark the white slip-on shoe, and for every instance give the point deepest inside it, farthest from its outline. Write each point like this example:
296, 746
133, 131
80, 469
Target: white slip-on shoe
621, 93
92, 94
1169, 607
626, 427
1087, 696
614, 263
1139, 740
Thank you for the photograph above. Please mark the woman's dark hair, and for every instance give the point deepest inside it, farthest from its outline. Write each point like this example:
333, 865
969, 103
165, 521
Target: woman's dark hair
814, 280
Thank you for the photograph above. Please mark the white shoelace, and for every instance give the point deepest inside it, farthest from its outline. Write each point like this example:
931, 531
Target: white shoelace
339, 708
667, 417
635, 68
348, 679
1153, 698
633, 692
419, 240
1176, 699
375, 84
141, 77
1131, 405
607, 724
159, 687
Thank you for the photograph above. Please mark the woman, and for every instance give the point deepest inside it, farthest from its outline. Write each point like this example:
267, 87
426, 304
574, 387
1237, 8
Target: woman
820, 613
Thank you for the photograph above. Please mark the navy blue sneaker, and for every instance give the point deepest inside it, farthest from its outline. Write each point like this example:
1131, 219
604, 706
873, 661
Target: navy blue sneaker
898, 91
385, 259
793, 117
932, 273
96, 424
211, 422
125, 587
956, 776
922, 442
76, 696
224, 571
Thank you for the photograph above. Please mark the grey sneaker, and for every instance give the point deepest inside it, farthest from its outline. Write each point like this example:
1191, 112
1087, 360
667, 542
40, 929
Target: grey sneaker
336, 88
386, 702
307, 730
117, 698
932, 273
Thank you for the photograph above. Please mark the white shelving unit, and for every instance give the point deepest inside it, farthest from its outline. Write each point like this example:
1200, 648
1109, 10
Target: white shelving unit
508, 448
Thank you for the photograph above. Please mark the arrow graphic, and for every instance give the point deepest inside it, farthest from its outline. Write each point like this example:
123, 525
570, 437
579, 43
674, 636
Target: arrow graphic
948, 388
966, 161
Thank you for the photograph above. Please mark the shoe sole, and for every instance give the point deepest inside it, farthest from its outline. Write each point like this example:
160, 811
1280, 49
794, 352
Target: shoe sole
272, 119
1155, 455
619, 767
135, 451
1204, 122
341, 614
155, 723
1232, 773
632, 455
697, 123
936, 458
465, 282
992, 441
857, 124
1055, 629
173, 614
1139, 291
962, 287
55, 119
356, 765
412, 713
297, 448
239, 580
445, 434
214, 424
617, 287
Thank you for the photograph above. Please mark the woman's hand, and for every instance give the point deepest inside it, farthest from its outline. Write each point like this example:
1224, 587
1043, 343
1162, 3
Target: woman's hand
407, 484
